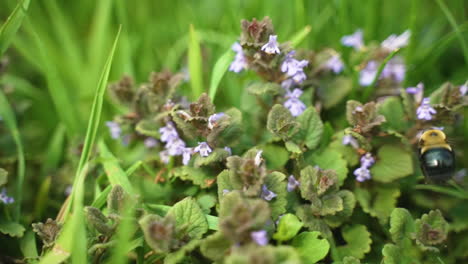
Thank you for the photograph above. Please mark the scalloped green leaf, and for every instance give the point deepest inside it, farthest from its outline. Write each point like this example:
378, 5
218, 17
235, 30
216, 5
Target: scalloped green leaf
401, 225
188, 212
288, 227
331, 159
378, 201
349, 202
215, 246
276, 183
393, 111
393, 162
148, 128
198, 176
358, 241
260, 88
280, 122
311, 247
11, 228
310, 128
216, 155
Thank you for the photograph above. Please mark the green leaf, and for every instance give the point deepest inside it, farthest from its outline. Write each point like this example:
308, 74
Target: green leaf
280, 121
396, 255
401, 225
310, 128
292, 147
288, 227
215, 246
311, 248
378, 201
206, 202
187, 212
276, 183
12, 24
334, 91
275, 156
316, 182
159, 232
431, 229
198, 176
179, 254
349, 202
114, 172
223, 183
28, 245
393, 162
312, 222
331, 160
358, 241
300, 36
260, 88
217, 155
393, 111
11, 228
3, 177
148, 128
195, 63
219, 69
348, 152
351, 260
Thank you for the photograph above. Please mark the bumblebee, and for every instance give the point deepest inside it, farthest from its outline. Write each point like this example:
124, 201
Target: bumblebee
436, 156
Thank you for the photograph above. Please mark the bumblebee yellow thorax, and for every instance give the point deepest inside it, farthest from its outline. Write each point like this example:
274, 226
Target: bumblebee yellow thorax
433, 138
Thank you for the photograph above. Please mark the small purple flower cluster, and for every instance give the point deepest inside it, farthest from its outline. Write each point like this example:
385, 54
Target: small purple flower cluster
335, 64
424, 111
363, 173
350, 140
114, 129
292, 183
260, 237
292, 103
240, 62
294, 68
5, 198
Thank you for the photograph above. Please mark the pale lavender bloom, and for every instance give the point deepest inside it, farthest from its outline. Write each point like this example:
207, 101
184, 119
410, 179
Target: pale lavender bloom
226, 191
287, 84
293, 104
463, 89
417, 91
394, 69
362, 174
229, 150
438, 128
425, 111
258, 158
292, 183
240, 62
164, 156
367, 160
175, 147
335, 64
460, 175
68, 190
394, 42
299, 77
289, 62
186, 155
350, 140
367, 75
5, 198
359, 109
213, 119
267, 194
150, 142
272, 46
114, 129
168, 133
260, 237
203, 148
354, 40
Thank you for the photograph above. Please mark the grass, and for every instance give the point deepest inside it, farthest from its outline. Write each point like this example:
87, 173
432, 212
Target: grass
57, 52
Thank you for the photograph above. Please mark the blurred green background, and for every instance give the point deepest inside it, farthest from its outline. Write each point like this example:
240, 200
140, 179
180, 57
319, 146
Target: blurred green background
57, 56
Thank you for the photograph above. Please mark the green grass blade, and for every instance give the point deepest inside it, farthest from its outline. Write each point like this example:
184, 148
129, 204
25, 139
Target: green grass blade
297, 38
219, 69
54, 150
455, 27
370, 88
195, 64
113, 170
11, 26
72, 239
6, 112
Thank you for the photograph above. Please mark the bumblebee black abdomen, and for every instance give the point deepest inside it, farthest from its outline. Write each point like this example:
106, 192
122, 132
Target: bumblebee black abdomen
438, 164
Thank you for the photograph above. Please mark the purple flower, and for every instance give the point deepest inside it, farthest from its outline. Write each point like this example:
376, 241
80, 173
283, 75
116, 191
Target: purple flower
267, 194
203, 148
367, 75
394, 42
164, 156
260, 237
213, 119
293, 104
417, 91
394, 69
226, 191
362, 174
292, 183
186, 155
175, 147
240, 62
168, 133
350, 140
354, 40
425, 111
258, 158
335, 64
229, 150
150, 142
5, 198
299, 77
463, 89
272, 46
367, 160
294, 68
114, 129
287, 84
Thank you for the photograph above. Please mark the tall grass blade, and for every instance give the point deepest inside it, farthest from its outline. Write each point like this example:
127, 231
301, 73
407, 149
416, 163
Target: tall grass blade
370, 88
300, 36
219, 69
195, 64
12, 24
